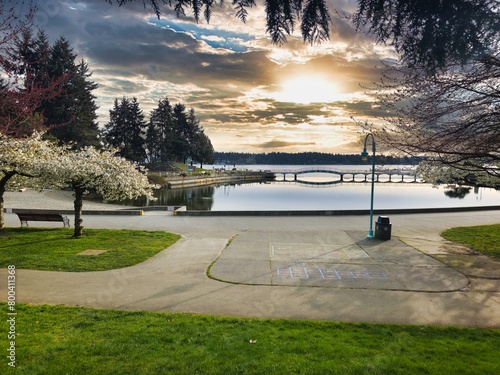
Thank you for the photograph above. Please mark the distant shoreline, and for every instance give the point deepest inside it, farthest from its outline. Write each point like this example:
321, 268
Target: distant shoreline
307, 158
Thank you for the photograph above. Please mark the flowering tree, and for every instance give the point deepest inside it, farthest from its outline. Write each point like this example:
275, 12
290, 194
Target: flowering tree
113, 177
40, 164
27, 161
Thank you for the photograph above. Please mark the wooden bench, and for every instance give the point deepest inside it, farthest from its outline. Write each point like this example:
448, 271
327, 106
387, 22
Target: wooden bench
25, 217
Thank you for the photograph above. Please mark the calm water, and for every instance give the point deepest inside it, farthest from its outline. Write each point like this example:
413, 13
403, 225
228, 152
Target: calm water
339, 196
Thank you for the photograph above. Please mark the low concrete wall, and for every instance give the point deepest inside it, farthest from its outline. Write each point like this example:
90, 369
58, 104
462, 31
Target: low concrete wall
337, 212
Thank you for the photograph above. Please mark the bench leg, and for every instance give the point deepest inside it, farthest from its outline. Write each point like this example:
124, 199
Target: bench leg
65, 221
24, 223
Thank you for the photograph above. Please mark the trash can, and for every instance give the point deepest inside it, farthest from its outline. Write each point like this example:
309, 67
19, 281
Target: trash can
383, 228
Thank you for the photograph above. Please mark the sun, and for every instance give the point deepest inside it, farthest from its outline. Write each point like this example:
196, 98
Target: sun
308, 89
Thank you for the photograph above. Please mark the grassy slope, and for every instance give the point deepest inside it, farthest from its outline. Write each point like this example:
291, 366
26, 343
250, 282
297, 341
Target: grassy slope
56, 250
483, 238
60, 340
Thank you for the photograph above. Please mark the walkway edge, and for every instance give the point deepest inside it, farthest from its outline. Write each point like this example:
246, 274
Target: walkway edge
336, 212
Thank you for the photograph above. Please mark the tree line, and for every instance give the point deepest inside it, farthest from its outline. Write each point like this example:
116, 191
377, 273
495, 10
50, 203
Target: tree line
68, 114
173, 133
307, 158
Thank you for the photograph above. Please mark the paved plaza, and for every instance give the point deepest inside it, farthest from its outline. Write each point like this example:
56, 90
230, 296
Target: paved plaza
332, 259
288, 267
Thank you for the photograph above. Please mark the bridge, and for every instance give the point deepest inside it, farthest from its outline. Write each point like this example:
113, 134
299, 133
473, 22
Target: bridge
381, 175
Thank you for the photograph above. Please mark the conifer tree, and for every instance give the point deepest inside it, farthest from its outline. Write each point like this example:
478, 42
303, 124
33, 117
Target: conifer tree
180, 146
85, 121
71, 115
174, 134
126, 129
204, 151
160, 134
152, 144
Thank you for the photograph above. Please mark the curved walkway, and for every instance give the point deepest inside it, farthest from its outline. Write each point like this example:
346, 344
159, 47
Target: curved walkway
290, 267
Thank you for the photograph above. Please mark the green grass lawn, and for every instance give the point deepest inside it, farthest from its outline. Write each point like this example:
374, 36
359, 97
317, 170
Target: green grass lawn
75, 340
482, 238
67, 340
56, 250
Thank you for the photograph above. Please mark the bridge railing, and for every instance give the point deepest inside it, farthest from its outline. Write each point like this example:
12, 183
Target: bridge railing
410, 172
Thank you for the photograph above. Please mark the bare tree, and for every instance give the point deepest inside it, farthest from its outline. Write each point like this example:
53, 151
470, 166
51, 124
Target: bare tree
15, 18
452, 118
21, 93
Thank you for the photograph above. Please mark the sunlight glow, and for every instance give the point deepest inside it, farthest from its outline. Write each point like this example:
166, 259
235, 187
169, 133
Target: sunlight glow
308, 89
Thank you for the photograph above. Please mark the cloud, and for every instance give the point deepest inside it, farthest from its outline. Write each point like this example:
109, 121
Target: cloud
214, 37
226, 70
274, 144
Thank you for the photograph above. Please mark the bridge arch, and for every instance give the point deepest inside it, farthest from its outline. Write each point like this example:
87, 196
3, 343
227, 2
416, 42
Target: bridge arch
393, 175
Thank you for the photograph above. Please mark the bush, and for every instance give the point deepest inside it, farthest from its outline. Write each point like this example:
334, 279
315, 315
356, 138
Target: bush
156, 179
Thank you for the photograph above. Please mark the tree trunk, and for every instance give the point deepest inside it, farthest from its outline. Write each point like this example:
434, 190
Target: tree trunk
3, 183
78, 212
2, 220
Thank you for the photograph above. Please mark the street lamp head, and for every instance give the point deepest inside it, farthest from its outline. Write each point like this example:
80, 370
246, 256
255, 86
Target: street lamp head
364, 155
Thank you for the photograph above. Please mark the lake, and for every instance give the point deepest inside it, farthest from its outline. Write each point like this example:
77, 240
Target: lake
289, 195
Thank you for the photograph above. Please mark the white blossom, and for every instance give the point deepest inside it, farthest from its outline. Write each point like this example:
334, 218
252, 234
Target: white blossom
113, 177
38, 163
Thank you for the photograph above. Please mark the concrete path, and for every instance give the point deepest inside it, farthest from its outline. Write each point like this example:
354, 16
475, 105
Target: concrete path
332, 259
290, 267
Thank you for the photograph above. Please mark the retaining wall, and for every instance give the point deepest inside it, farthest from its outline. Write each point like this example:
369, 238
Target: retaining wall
190, 181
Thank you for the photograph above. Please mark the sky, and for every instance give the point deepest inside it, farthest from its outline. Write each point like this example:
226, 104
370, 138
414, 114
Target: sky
249, 95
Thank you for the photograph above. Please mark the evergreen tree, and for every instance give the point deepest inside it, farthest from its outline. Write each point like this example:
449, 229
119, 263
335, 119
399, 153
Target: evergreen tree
200, 147
28, 57
85, 122
72, 114
174, 134
58, 111
21, 56
153, 144
193, 131
204, 152
37, 60
126, 129
180, 144
160, 135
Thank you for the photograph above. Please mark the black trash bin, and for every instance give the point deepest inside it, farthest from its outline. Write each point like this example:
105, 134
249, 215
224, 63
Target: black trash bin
383, 228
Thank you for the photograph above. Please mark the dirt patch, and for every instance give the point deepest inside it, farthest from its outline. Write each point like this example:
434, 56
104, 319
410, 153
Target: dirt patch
92, 252
472, 265
449, 247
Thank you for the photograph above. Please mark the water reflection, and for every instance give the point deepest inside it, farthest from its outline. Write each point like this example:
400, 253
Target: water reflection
458, 192
195, 198
296, 196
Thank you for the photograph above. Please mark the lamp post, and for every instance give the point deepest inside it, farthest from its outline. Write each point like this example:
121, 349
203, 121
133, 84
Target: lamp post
364, 157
